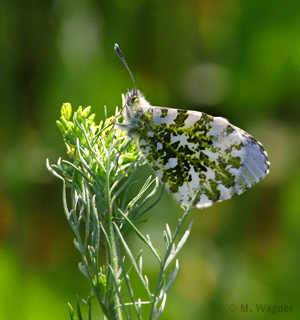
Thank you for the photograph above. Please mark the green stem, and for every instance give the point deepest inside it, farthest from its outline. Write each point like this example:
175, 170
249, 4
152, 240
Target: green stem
112, 301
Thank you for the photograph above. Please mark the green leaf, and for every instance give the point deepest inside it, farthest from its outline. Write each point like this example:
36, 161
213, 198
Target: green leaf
72, 314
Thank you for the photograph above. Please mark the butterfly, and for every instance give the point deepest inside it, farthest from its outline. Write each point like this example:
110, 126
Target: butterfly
192, 151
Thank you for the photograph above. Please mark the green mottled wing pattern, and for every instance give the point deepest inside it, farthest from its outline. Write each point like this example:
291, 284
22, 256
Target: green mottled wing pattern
191, 150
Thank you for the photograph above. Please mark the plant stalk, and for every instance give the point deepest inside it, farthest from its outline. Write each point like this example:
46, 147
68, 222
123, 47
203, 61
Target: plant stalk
112, 298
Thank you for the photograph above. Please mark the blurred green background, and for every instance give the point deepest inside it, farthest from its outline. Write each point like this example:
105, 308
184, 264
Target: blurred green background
236, 59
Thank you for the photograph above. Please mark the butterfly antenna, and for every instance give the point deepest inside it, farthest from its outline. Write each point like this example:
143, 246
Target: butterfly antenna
120, 54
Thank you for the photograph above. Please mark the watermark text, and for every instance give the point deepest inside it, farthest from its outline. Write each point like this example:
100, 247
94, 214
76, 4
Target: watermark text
260, 308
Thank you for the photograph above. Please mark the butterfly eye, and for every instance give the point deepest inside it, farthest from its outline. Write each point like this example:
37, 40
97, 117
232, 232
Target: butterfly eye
134, 99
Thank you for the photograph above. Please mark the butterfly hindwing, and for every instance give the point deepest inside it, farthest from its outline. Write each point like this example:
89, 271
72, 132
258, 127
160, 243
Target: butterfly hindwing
191, 151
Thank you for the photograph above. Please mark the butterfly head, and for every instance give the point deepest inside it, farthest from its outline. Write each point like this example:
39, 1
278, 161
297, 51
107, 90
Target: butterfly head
135, 104
132, 98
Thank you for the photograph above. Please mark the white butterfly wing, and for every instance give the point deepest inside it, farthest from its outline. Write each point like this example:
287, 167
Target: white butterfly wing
191, 151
